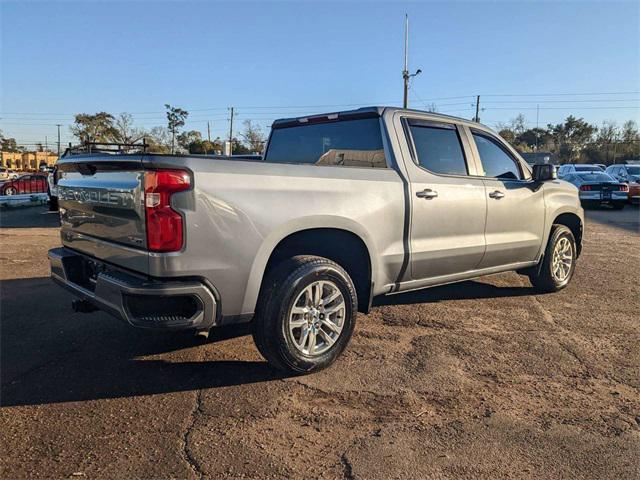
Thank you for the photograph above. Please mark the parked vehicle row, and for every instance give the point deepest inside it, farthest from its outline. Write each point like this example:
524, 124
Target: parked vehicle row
629, 174
598, 188
25, 184
615, 185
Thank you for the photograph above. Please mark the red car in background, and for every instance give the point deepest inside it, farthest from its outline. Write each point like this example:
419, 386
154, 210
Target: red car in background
30, 183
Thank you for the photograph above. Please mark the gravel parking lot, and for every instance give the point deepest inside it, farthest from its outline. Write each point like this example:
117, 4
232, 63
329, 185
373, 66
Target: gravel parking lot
481, 379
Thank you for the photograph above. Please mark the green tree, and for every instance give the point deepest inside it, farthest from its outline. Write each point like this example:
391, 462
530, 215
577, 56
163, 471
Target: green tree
176, 118
571, 137
94, 128
190, 140
238, 148
8, 144
534, 137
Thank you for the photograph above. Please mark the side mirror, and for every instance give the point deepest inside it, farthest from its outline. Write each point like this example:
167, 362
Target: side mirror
543, 172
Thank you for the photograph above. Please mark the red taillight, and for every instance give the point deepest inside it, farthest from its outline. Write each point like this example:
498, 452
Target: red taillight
623, 187
585, 188
164, 225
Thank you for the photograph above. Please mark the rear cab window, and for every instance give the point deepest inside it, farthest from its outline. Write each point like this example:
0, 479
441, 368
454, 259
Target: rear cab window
347, 143
437, 147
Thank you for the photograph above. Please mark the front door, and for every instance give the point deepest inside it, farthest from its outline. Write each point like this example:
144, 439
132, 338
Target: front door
448, 204
515, 205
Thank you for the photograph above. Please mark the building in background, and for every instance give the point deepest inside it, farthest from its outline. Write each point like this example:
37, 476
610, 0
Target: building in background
27, 161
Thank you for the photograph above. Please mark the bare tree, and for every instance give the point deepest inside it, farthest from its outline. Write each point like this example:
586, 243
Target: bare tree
431, 107
608, 132
159, 140
253, 136
125, 131
519, 124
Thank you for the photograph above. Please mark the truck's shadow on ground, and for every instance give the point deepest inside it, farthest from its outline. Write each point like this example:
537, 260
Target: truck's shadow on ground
50, 355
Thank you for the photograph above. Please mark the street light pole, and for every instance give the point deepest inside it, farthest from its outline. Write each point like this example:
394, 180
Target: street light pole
405, 73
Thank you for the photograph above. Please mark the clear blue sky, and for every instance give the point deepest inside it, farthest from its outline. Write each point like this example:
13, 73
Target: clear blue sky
60, 58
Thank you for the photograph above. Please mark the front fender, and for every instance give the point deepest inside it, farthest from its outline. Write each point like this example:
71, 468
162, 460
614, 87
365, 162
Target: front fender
560, 197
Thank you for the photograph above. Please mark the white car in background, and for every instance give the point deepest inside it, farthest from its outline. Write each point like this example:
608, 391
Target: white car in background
7, 174
568, 168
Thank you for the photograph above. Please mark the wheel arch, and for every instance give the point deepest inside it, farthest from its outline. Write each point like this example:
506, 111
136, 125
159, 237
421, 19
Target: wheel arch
573, 222
340, 240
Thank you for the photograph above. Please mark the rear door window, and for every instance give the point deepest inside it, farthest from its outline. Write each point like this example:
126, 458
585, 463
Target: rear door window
348, 143
438, 148
496, 161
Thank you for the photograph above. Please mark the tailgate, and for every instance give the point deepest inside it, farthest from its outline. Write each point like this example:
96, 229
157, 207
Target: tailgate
101, 201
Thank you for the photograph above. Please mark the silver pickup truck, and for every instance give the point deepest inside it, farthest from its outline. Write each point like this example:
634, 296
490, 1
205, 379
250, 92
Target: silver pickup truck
341, 208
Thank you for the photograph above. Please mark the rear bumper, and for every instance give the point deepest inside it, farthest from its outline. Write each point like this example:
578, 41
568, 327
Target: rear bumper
138, 300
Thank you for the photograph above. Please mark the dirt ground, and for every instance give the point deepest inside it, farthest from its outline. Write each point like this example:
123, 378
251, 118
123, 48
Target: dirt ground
481, 379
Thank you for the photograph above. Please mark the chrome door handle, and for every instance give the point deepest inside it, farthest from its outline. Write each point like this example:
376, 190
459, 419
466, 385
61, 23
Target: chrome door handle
427, 193
497, 195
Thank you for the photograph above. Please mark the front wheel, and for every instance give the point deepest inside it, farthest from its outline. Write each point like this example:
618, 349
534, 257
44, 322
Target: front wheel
556, 268
10, 191
306, 314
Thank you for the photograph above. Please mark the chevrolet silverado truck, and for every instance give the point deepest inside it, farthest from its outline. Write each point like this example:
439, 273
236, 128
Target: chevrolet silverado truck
341, 208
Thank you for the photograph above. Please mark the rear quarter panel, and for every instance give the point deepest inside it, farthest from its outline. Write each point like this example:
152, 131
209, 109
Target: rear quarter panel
239, 211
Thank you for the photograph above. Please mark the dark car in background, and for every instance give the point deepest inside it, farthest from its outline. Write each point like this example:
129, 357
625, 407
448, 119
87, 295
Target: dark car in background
30, 183
598, 188
629, 174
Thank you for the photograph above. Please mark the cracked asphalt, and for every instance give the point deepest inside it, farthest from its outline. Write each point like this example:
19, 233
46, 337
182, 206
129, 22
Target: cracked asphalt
482, 379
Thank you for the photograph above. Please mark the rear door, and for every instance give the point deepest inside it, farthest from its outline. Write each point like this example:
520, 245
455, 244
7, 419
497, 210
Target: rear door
448, 203
515, 204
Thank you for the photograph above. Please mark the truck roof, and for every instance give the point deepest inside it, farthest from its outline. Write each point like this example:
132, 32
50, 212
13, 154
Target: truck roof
364, 112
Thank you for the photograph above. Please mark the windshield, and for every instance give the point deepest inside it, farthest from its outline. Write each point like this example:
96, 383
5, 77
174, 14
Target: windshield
587, 168
595, 177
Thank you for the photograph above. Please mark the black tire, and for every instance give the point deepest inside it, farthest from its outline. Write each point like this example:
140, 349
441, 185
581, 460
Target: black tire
542, 277
618, 205
10, 191
53, 204
280, 290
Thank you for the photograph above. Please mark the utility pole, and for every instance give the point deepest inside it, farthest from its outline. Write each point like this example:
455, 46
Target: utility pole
208, 132
231, 130
477, 117
405, 73
537, 131
58, 125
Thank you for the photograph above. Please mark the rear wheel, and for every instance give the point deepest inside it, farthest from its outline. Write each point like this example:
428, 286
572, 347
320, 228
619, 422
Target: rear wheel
306, 314
10, 191
555, 270
53, 204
